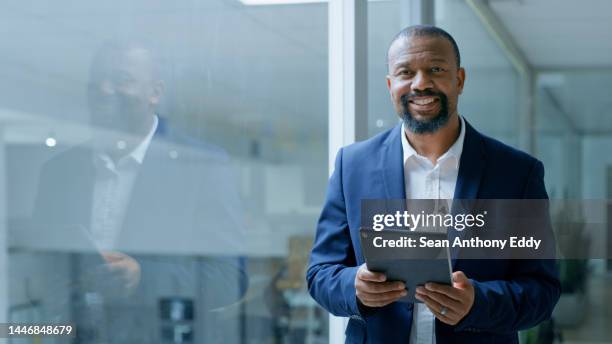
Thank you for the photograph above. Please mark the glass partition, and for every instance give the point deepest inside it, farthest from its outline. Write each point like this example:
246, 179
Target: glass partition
164, 164
573, 139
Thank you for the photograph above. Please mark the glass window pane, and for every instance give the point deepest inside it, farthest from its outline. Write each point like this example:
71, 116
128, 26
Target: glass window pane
490, 100
165, 163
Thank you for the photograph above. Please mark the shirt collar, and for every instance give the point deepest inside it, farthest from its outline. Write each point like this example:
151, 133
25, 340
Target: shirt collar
139, 152
453, 152
136, 155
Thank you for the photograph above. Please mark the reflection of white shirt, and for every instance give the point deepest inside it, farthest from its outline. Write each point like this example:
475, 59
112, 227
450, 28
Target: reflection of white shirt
112, 188
424, 180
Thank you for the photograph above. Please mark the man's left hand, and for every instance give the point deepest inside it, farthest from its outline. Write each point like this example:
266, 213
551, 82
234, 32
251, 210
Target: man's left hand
126, 268
448, 304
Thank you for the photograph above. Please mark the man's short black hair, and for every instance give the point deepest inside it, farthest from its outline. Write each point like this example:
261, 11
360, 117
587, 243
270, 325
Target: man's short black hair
426, 31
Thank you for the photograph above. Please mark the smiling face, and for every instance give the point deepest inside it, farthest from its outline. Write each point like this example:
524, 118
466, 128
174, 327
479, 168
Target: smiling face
424, 81
123, 91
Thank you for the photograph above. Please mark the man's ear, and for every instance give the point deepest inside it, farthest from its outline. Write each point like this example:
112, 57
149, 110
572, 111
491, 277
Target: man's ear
460, 79
388, 82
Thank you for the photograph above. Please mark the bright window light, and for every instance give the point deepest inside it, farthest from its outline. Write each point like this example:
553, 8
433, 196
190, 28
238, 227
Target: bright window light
50, 142
284, 2
278, 2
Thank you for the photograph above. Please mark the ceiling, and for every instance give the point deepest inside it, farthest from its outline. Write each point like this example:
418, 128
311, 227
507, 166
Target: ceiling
560, 33
569, 43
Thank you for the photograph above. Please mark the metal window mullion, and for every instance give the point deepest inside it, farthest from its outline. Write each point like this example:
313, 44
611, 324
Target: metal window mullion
347, 24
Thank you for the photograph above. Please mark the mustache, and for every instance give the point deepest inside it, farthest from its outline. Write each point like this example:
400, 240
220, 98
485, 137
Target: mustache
427, 93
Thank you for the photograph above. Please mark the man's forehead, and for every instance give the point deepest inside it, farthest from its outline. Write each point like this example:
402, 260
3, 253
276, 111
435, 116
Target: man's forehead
133, 61
420, 47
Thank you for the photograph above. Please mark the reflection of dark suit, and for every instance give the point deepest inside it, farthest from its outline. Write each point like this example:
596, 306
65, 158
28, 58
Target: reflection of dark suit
184, 198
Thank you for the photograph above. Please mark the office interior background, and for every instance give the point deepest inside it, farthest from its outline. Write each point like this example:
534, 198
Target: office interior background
254, 81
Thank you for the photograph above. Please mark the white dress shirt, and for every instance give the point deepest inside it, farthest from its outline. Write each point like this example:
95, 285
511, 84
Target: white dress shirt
112, 190
424, 180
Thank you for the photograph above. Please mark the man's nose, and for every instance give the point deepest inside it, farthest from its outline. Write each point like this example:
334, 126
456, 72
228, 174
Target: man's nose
421, 82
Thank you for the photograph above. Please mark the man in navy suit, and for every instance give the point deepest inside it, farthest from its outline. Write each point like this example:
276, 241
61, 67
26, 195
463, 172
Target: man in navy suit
433, 154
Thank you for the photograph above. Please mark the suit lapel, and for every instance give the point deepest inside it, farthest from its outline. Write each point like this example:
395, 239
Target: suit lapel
80, 188
471, 169
393, 165
471, 165
142, 188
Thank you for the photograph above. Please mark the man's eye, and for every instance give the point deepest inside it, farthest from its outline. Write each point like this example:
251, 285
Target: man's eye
436, 69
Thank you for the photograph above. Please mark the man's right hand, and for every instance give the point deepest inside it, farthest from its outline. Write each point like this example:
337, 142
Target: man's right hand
373, 290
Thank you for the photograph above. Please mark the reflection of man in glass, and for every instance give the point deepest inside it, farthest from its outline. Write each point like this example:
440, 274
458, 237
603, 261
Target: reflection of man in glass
124, 90
123, 93
138, 186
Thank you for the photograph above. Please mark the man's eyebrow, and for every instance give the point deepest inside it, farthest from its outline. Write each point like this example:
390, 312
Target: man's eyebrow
401, 63
439, 59
406, 63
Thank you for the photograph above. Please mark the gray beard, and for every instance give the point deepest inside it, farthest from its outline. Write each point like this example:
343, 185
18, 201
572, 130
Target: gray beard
425, 127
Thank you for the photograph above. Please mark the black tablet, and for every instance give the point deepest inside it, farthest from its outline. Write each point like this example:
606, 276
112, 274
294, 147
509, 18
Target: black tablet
412, 257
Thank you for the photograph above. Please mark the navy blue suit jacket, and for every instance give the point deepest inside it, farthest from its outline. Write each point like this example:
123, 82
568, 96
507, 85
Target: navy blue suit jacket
510, 295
